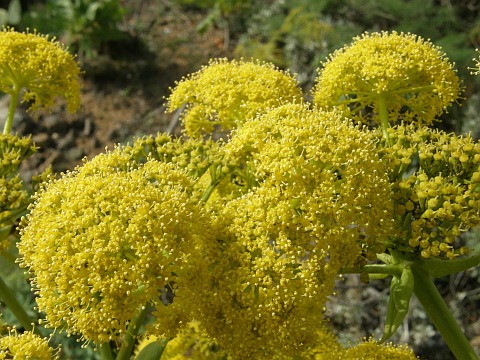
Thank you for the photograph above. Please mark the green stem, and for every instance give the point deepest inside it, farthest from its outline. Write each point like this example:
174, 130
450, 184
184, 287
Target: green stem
375, 269
106, 351
131, 335
206, 195
383, 114
435, 307
413, 90
13, 304
11, 110
216, 176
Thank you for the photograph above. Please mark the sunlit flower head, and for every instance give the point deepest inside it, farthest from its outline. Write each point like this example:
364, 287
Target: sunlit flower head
104, 240
322, 203
441, 200
26, 346
403, 75
226, 93
314, 158
40, 66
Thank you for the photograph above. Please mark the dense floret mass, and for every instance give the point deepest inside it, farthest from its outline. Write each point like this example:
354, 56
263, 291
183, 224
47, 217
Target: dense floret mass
440, 200
321, 203
104, 240
226, 93
407, 77
39, 65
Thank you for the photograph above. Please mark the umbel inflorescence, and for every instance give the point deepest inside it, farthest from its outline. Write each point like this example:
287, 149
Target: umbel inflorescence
320, 205
105, 240
246, 236
40, 66
400, 76
226, 93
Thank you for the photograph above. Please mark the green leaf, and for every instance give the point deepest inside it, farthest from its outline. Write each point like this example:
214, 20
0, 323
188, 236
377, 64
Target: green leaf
213, 17
5, 232
401, 291
153, 351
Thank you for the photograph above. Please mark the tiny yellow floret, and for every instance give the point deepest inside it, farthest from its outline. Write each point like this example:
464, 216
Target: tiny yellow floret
26, 346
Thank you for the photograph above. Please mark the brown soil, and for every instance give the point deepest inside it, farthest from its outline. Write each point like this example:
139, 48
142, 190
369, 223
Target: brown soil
124, 85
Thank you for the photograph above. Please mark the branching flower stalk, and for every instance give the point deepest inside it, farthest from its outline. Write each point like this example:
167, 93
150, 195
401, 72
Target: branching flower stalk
12, 303
130, 337
441, 316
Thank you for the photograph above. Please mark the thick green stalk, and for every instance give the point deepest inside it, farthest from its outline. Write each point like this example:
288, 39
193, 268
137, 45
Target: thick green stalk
11, 111
216, 177
381, 269
13, 304
106, 351
435, 307
131, 335
208, 192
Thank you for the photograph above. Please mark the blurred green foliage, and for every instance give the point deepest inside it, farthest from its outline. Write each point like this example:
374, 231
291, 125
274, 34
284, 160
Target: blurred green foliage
85, 25
12, 15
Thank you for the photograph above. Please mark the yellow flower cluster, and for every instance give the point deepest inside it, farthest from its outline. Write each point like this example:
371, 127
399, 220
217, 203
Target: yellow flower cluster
227, 93
106, 239
26, 346
191, 343
315, 157
39, 65
321, 204
13, 150
13, 196
402, 75
435, 204
367, 350
193, 155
